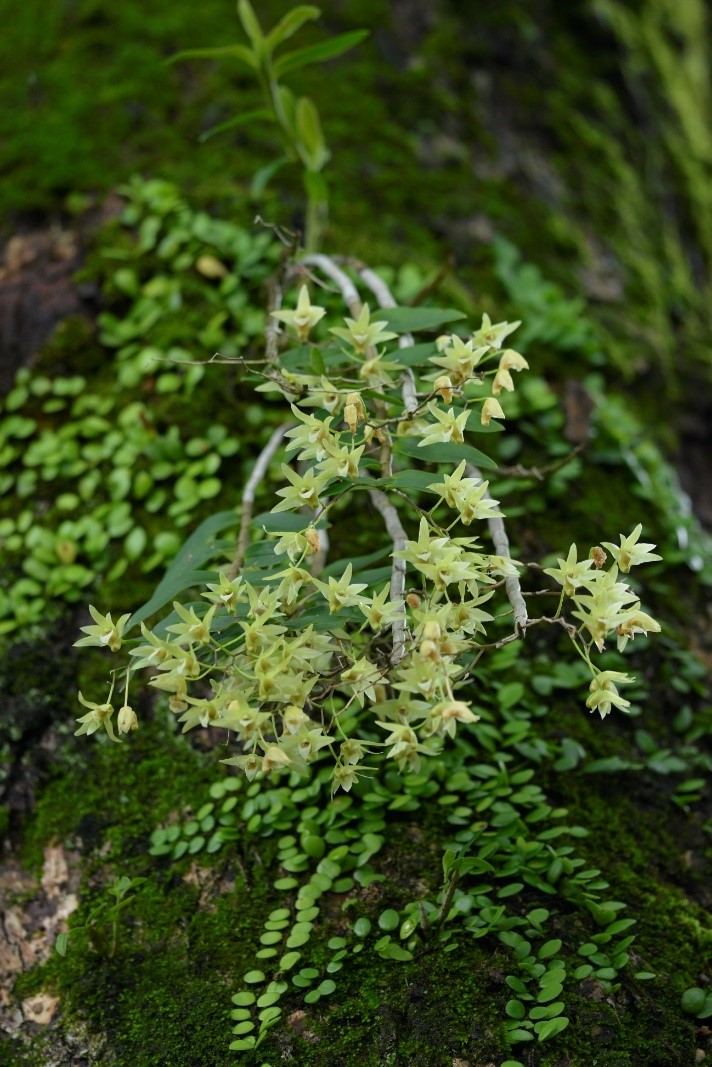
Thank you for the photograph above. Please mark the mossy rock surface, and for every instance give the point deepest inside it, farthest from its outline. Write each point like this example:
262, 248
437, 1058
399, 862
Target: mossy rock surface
454, 131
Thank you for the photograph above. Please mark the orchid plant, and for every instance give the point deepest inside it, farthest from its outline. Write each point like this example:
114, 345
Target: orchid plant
297, 659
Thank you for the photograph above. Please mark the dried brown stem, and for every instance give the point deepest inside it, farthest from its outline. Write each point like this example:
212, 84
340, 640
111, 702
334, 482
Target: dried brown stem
570, 628
434, 283
540, 473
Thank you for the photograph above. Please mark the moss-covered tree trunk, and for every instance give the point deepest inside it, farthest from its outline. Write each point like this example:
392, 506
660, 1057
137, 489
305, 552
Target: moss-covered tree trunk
561, 155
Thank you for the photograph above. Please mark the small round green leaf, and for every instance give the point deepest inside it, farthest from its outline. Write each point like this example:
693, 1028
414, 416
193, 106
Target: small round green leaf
243, 1027
288, 960
388, 919
515, 1009
362, 927
693, 1000
243, 998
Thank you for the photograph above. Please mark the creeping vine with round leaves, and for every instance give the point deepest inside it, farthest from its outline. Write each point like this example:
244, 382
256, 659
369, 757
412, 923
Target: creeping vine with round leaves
298, 659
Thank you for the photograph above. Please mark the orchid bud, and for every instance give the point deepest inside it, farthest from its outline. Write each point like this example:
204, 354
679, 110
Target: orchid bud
598, 556
313, 539
458, 710
443, 387
502, 380
126, 719
512, 360
351, 417
491, 409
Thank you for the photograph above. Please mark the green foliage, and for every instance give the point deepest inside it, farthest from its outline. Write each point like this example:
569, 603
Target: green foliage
555, 322
97, 480
504, 866
507, 849
696, 1002
297, 118
514, 850
292, 648
102, 923
327, 893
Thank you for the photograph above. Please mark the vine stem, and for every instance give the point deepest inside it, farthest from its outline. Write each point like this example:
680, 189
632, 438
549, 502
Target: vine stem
380, 501
327, 266
498, 533
447, 900
248, 495
386, 300
398, 536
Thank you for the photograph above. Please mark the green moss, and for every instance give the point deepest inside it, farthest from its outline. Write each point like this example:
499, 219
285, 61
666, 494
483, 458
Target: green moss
72, 349
16, 1053
165, 998
184, 948
423, 1015
116, 793
512, 121
34, 686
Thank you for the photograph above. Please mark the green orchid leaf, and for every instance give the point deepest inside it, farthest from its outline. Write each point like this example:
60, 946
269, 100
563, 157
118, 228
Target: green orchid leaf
414, 355
410, 320
264, 176
420, 480
337, 567
250, 24
185, 570
443, 453
261, 114
310, 145
236, 51
318, 53
290, 23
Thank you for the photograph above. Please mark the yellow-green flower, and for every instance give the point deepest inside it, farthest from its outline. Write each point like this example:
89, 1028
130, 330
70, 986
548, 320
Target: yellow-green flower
449, 427
192, 628
340, 593
226, 592
629, 553
363, 334
98, 715
491, 409
492, 334
106, 633
304, 318
466, 495
572, 572
304, 490
459, 358
604, 693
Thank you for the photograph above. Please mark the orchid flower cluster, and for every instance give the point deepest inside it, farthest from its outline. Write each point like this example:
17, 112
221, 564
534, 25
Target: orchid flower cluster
605, 605
296, 658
